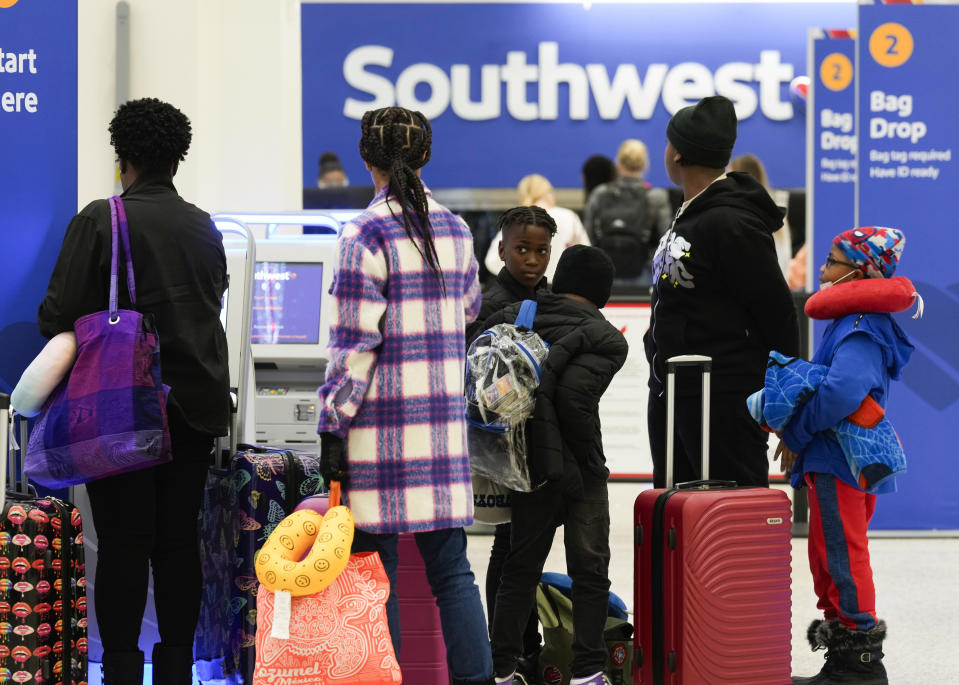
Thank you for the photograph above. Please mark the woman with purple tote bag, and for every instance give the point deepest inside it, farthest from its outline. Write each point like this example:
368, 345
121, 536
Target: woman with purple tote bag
147, 516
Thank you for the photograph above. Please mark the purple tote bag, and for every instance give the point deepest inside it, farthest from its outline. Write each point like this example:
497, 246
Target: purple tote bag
108, 416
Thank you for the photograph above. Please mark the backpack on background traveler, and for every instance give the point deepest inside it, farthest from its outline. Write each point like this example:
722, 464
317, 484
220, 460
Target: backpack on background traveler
623, 227
554, 605
503, 370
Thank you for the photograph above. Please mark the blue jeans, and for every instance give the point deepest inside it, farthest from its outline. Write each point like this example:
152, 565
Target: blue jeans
454, 586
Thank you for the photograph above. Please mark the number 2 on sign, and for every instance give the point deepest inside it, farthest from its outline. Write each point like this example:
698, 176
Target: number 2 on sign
891, 50
891, 44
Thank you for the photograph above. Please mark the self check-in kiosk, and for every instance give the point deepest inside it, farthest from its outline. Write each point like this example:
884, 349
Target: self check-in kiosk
289, 322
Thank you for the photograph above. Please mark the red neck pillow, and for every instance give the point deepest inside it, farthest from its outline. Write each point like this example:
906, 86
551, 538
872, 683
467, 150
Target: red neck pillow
869, 295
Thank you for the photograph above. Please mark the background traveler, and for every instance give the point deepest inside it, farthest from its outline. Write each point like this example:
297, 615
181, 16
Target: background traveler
625, 217
597, 170
751, 165
331, 174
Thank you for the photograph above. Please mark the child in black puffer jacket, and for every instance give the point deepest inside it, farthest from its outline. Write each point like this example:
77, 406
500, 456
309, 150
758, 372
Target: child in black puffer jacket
565, 448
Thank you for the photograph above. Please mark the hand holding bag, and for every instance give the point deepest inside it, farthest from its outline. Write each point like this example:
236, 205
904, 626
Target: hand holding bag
109, 415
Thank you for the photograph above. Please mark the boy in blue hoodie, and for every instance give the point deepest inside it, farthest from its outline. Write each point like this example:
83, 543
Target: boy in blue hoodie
864, 349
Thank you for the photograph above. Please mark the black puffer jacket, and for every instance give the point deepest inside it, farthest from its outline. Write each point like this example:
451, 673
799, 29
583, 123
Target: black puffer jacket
498, 293
718, 289
564, 437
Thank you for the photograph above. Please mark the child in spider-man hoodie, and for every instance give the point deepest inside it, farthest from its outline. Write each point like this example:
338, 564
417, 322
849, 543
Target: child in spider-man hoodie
863, 348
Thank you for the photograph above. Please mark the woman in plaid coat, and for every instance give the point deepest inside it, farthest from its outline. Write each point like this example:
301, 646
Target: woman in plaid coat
391, 419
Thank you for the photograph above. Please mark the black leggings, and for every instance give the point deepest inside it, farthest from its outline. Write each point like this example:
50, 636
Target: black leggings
150, 517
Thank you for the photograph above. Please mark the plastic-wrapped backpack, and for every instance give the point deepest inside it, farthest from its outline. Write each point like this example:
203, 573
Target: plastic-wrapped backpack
503, 370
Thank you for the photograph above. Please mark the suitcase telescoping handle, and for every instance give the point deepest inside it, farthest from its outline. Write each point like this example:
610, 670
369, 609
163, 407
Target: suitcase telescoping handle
673, 363
4, 445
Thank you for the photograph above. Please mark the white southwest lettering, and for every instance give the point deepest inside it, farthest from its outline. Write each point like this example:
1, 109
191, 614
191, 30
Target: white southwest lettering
678, 86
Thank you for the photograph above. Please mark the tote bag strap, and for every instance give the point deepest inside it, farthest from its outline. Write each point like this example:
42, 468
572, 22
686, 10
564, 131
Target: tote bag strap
120, 233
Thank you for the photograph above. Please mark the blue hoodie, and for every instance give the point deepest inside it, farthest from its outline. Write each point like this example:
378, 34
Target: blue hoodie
863, 352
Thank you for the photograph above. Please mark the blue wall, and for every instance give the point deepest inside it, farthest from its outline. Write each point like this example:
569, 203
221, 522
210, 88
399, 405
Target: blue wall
38, 191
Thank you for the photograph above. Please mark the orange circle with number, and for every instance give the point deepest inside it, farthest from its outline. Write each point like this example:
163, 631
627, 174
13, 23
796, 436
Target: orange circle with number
4, 4
835, 72
891, 44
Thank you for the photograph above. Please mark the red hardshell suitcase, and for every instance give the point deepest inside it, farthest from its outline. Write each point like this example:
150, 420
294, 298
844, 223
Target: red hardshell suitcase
422, 652
712, 575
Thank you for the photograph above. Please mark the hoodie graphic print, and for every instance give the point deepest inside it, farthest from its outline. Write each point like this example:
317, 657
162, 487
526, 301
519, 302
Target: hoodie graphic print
668, 264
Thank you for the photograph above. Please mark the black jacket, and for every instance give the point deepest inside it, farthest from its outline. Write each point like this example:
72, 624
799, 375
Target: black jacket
499, 292
180, 270
718, 289
585, 353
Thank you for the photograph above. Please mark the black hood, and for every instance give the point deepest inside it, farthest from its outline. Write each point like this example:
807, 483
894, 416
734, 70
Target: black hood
743, 192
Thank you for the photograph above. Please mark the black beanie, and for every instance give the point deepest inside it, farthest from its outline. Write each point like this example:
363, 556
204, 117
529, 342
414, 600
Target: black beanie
585, 271
704, 133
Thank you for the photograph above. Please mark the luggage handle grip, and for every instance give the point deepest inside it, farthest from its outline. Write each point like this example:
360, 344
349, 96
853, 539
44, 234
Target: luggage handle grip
681, 360
706, 484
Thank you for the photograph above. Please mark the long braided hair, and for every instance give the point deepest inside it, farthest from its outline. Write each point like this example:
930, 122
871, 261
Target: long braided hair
398, 141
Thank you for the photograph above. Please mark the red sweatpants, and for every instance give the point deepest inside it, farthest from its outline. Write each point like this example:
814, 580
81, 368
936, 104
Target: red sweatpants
839, 516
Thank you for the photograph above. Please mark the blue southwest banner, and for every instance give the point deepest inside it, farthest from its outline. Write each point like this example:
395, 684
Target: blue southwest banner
513, 89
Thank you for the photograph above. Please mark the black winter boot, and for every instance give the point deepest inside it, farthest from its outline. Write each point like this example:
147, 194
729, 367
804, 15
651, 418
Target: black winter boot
172, 664
852, 656
122, 668
528, 667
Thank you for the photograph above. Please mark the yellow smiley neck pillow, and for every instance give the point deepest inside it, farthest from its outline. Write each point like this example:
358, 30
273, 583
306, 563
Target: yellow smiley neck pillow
326, 541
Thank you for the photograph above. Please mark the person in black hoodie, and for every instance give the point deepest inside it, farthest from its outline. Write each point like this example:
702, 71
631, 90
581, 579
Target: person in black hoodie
717, 291
525, 251
565, 449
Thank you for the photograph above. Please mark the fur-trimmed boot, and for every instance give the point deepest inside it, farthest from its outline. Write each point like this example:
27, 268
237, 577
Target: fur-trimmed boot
852, 656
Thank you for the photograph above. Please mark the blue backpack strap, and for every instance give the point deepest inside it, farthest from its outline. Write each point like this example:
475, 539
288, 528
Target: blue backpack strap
527, 312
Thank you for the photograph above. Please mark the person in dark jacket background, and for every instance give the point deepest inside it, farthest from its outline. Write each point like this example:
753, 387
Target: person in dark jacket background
150, 516
717, 291
525, 251
565, 447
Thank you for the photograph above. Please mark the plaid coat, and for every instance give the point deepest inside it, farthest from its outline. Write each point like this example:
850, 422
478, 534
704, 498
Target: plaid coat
394, 384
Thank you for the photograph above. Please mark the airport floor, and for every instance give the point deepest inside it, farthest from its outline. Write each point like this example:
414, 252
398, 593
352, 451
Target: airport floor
917, 585
917, 589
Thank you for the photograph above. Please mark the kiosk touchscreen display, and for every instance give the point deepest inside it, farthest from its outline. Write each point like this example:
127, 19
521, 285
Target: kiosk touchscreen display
286, 303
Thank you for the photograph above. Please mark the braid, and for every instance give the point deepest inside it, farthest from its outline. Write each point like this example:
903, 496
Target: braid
399, 141
526, 216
